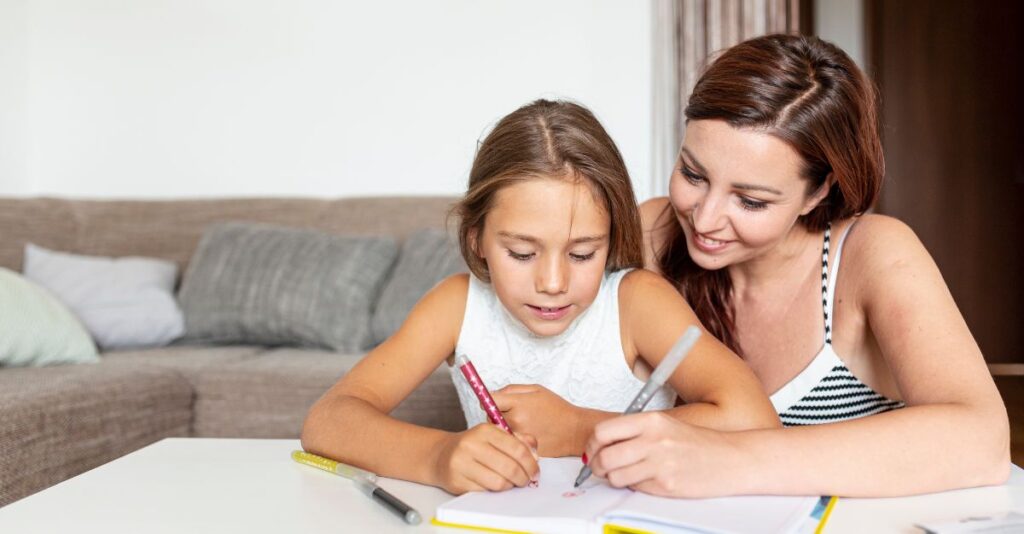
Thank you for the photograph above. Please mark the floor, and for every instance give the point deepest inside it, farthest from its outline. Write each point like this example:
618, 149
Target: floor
1012, 389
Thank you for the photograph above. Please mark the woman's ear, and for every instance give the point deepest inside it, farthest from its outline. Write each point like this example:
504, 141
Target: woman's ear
815, 198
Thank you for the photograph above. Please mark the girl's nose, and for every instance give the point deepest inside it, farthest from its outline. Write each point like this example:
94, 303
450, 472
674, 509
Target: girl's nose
552, 276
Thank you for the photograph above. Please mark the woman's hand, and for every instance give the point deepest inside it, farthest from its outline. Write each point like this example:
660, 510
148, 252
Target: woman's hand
657, 454
535, 410
485, 457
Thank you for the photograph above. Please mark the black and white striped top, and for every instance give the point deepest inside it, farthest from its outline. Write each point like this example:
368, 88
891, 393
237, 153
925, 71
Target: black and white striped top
826, 391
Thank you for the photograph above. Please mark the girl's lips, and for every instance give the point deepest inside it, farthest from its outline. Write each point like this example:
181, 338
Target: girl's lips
549, 314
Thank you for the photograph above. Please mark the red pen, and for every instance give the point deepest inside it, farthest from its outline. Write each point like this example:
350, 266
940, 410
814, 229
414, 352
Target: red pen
486, 401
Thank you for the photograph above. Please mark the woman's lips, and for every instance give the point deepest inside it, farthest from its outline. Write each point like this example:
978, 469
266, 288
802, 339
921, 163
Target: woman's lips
707, 244
549, 313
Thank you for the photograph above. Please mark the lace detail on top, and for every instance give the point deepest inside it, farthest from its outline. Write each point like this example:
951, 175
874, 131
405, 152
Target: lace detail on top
826, 391
584, 365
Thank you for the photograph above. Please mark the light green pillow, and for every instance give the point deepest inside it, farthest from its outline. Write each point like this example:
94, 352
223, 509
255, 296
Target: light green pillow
36, 329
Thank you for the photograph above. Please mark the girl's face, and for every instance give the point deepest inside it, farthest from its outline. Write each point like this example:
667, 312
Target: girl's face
546, 243
737, 193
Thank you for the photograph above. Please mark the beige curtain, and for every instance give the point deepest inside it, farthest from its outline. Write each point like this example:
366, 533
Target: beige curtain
686, 35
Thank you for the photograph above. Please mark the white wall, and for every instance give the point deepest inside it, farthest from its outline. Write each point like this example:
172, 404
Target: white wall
185, 98
842, 23
14, 127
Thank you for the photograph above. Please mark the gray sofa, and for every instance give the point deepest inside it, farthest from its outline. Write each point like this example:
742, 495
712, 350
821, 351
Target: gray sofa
57, 422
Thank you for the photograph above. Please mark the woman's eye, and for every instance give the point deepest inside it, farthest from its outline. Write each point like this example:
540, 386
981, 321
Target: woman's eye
519, 257
753, 205
582, 257
691, 176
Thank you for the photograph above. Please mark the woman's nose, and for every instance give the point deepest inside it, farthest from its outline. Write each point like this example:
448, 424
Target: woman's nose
708, 214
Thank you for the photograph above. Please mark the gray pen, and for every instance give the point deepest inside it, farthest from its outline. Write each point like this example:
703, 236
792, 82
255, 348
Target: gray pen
377, 493
656, 381
364, 480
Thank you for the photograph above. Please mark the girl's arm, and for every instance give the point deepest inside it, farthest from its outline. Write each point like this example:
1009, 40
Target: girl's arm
953, 432
350, 422
719, 390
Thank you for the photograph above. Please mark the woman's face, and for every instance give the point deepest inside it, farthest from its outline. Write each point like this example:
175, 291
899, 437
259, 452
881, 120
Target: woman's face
737, 193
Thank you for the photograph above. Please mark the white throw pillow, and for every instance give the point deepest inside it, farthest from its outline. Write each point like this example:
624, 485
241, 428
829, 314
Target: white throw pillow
123, 302
36, 329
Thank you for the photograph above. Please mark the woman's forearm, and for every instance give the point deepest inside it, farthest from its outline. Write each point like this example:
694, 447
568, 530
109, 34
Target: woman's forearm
350, 430
908, 451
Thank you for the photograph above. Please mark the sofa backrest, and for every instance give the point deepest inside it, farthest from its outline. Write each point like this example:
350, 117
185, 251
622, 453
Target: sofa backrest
170, 229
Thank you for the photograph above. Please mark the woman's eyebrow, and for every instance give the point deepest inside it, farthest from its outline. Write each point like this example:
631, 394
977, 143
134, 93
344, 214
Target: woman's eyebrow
743, 186
755, 187
694, 160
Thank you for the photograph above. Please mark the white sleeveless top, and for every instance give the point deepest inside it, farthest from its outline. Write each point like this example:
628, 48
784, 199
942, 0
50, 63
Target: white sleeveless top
584, 365
826, 391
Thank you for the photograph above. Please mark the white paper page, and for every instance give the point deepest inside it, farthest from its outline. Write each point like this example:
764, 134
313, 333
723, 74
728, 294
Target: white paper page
733, 515
553, 506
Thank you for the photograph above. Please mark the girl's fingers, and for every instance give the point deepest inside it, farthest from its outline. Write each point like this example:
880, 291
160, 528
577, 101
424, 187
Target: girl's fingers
519, 452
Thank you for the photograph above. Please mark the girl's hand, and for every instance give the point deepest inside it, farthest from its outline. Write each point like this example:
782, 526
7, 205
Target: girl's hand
657, 454
485, 457
537, 411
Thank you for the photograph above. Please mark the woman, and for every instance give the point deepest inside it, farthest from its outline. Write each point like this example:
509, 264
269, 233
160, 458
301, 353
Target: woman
843, 316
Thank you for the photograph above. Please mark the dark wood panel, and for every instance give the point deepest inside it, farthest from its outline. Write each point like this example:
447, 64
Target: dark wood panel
949, 73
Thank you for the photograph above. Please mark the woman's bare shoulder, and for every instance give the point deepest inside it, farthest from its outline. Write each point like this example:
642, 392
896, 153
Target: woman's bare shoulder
657, 220
880, 247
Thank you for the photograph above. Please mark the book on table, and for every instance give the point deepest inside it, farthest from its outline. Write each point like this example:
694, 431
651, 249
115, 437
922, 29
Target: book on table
555, 506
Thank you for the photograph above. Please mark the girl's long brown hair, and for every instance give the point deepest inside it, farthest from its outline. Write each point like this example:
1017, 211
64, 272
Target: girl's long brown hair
551, 139
810, 94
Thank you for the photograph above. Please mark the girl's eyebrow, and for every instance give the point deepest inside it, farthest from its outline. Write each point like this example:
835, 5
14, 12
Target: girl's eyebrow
531, 239
746, 187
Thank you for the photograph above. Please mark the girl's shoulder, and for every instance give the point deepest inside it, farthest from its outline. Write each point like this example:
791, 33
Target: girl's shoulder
644, 294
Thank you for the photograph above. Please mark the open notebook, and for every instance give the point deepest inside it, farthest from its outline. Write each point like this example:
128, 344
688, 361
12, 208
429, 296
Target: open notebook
554, 506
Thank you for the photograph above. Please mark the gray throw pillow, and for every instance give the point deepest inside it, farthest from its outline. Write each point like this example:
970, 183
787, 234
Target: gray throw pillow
427, 257
123, 302
271, 285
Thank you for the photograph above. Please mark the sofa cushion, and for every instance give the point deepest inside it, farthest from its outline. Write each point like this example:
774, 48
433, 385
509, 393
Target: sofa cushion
269, 396
271, 285
123, 302
62, 421
427, 257
189, 361
37, 329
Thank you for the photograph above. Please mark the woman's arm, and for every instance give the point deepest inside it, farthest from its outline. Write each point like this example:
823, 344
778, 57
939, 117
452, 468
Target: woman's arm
350, 422
953, 432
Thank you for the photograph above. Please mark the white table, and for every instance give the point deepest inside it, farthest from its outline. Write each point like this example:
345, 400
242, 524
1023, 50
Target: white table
252, 486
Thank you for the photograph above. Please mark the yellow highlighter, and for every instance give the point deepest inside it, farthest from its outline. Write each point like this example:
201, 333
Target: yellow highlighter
364, 480
332, 466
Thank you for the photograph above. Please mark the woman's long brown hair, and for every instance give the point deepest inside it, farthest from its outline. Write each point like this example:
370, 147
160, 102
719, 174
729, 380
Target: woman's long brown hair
810, 94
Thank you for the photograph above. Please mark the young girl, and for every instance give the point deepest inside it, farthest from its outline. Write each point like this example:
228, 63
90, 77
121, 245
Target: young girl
765, 220
552, 314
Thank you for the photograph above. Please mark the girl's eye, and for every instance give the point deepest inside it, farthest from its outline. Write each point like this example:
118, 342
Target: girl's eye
752, 205
519, 257
691, 176
582, 257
